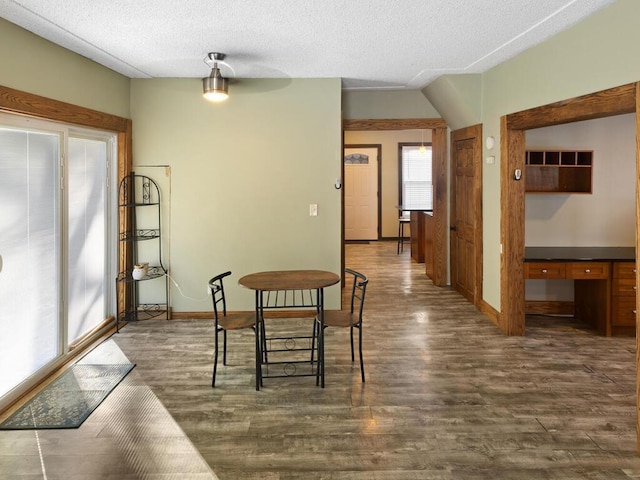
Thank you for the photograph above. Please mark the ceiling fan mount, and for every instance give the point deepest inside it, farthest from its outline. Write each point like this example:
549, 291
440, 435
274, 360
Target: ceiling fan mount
216, 56
215, 86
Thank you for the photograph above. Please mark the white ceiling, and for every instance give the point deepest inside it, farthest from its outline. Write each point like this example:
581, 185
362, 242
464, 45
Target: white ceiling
367, 43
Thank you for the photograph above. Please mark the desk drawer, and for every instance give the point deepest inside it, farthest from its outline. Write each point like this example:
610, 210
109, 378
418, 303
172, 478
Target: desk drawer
542, 270
587, 270
624, 311
624, 286
624, 270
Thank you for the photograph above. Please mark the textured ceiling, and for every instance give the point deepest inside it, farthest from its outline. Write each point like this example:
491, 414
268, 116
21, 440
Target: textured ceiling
367, 43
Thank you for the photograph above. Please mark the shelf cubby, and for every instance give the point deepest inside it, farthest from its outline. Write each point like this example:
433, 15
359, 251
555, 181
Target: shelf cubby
558, 171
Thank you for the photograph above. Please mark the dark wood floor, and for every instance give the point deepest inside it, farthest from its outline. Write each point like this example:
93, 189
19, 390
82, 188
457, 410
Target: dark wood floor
447, 395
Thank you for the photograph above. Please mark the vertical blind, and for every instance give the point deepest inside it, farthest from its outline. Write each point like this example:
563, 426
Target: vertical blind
417, 184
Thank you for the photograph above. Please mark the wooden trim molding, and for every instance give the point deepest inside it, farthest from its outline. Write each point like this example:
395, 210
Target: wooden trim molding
512, 194
189, 315
440, 217
542, 307
24, 103
394, 124
490, 312
614, 101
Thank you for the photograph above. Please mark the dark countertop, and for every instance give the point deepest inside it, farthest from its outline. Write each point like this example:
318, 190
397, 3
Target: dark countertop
565, 254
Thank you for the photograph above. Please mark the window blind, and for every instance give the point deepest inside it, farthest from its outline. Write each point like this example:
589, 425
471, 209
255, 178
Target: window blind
417, 185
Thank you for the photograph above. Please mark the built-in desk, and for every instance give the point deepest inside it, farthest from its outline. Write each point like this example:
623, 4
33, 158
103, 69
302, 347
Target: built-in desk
604, 282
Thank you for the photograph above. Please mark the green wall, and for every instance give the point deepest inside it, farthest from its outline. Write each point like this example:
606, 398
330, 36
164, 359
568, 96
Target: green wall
457, 98
240, 175
35, 65
243, 173
596, 54
363, 104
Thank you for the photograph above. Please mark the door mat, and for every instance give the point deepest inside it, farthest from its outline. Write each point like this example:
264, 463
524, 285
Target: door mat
69, 400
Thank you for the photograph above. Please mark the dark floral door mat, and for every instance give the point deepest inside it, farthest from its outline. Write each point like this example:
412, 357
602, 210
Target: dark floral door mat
70, 399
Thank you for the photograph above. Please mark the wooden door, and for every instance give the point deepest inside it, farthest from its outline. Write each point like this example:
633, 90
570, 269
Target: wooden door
361, 193
466, 212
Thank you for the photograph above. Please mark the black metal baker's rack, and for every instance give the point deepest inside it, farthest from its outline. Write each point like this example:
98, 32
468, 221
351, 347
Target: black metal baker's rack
137, 192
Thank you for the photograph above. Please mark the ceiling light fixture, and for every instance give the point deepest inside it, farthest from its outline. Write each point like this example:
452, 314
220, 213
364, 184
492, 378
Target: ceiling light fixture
215, 86
422, 148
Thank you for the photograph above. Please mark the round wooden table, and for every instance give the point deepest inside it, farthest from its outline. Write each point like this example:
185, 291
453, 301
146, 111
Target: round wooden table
289, 280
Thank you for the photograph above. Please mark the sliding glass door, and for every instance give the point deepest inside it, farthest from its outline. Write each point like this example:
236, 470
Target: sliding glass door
30, 243
55, 252
86, 231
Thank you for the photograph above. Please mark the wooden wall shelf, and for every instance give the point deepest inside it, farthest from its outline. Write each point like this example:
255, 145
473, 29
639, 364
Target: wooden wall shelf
558, 171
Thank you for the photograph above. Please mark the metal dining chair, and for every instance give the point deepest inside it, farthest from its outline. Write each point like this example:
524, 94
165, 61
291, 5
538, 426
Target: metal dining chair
225, 321
351, 318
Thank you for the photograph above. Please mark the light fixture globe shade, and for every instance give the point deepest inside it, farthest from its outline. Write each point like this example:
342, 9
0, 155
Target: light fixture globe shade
215, 86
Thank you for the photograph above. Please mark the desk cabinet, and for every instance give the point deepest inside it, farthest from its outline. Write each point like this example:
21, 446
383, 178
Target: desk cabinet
623, 315
605, 292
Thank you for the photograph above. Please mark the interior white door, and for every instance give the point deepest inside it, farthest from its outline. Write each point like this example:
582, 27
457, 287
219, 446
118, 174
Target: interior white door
361, 194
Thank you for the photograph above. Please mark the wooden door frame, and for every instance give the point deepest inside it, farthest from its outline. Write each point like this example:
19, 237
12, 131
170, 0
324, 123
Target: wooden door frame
614, 101
439, 162
474, 131
378, 147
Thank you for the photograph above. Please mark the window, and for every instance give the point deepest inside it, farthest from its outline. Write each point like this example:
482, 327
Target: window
416, 185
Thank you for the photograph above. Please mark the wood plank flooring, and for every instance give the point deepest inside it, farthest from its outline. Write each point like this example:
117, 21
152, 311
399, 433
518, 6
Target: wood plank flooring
447, 395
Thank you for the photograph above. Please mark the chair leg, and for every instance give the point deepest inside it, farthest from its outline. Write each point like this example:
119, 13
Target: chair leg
360, 348
399, 237
351, 335
215, 361
224, 347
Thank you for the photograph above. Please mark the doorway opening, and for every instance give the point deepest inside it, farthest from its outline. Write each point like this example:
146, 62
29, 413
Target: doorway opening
438, 128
